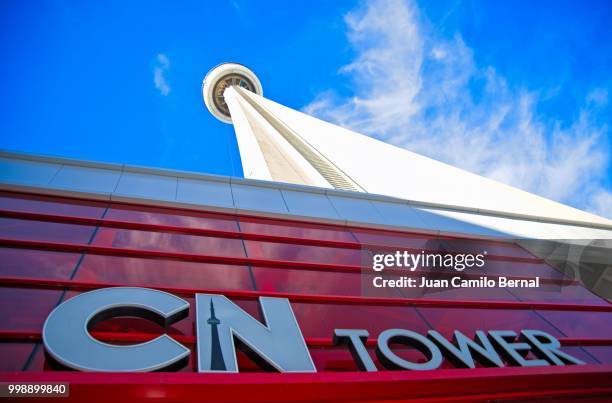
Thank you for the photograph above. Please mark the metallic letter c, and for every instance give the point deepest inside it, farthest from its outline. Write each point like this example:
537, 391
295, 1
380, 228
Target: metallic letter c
67, 339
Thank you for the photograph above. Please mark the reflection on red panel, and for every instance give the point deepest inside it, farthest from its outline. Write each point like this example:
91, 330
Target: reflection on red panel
174, 218
603, 354
581, 324
394, 239
40, 362
29, 230
520, 269
565, 293
581, 354
302, 253
25, 309
37, 263
163, 273
462, 293
14, 355
301, 281
307, 281
339, 359
491, 248
320, 320
169, 242
333, 359
294, 230
51, 205
446, 320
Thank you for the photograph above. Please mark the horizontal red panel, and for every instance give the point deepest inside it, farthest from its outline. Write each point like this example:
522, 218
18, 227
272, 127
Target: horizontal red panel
586, 324
295, 229
318, 320
448, 319
521, 269
603, 353
360, 284
197, 257
591, 381
43, 231
460, 294
492, 305
223, 228
205, 230
303, 253
168, 242
26, 308
32, 263
14, 355
132, 271
67, 204
373, 238
300, 281
203, 257
158, 216
31, 203
33, 336
568, 293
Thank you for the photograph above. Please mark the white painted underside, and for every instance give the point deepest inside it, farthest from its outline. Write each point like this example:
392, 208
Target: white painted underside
384, 169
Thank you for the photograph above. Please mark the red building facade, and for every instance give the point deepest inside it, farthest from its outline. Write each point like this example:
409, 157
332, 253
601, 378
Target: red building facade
53, 248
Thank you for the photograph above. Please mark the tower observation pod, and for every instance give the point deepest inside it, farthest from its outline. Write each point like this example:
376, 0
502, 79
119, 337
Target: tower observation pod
219, 79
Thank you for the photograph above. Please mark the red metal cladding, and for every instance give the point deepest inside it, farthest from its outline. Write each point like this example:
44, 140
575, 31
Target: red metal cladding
53, 248
501, 384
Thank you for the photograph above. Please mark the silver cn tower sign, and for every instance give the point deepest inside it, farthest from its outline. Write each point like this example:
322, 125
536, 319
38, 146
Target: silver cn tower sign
276, 344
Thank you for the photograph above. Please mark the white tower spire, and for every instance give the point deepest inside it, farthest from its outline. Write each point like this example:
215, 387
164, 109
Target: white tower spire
281, 144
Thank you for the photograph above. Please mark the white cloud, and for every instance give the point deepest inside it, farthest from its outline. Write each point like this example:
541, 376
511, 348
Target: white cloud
427, 94
235, 5
601, 203
598, 97
159, 74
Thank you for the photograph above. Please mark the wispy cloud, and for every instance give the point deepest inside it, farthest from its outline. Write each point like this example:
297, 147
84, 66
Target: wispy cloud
159, 74
235, 5
428, 95
601, 202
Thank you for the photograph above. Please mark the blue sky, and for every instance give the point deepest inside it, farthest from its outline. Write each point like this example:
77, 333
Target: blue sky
517, 91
